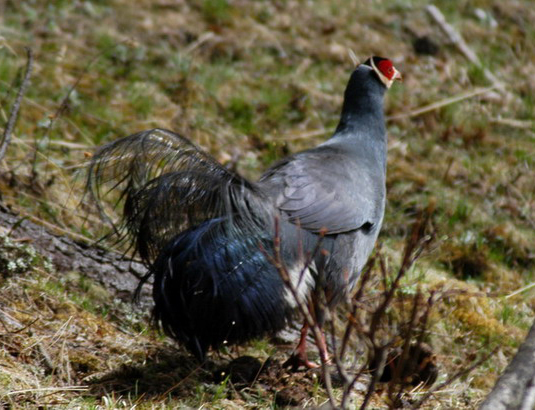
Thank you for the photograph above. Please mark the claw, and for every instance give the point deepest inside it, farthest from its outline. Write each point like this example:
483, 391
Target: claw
300, 358
296, 360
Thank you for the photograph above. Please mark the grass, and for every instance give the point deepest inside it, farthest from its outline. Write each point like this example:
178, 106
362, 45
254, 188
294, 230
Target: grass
245, 83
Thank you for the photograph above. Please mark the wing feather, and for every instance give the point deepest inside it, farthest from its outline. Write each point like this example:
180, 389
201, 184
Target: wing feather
327, 190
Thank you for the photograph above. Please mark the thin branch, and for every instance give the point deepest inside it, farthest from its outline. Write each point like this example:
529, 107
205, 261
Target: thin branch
49, 389
366, 275
64, 104
13, 115
513, 122
515, 387
462, 46
442, 103
523, 289
418, 404
307, 311
375, 377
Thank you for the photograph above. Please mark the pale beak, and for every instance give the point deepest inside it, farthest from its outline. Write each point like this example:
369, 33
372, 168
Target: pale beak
397, 75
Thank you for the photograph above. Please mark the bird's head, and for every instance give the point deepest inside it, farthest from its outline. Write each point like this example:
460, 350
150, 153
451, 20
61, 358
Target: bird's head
384, 69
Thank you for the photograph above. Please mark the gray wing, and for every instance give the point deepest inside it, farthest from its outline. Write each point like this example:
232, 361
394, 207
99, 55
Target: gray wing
328, 191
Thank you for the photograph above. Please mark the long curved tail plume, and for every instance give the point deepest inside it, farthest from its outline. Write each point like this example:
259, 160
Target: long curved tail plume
168, 185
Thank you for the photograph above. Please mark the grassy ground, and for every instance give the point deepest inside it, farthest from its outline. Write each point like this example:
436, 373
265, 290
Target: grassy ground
251, 82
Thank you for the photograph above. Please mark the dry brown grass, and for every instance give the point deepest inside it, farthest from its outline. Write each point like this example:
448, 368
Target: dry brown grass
250, 82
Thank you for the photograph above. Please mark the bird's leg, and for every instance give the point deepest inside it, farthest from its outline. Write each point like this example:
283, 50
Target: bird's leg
300, 358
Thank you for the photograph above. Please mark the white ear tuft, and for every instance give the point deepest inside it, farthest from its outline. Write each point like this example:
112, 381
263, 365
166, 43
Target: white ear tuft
353, 57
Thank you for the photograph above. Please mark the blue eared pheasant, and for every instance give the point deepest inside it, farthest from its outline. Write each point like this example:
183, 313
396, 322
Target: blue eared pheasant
206, 234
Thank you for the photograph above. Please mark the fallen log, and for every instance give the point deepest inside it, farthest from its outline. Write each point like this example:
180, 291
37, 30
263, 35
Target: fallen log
115, 272
515, 389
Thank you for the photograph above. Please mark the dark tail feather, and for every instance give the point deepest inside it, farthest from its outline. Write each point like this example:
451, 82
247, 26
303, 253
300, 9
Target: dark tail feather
213, 289
200, 229
167, 185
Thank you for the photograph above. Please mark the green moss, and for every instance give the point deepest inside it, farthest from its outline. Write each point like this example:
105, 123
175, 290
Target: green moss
461, 212
477, 74
241, 115
216, 11
264, 74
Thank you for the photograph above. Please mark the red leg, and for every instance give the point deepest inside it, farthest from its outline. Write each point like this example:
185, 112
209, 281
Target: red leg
300, 358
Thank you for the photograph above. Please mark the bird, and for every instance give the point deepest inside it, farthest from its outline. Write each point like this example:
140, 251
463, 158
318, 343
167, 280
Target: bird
211, 239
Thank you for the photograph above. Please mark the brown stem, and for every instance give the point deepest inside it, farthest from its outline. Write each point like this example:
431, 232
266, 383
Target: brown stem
13, 115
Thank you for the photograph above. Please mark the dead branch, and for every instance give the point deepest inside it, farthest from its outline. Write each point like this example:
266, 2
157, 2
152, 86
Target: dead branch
461, 45
515, 389
64, 105
451, 379
307, 311
116, 273
442, 103
13, 115
513, 123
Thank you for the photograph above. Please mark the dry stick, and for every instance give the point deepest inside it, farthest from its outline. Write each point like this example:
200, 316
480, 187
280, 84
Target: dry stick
163, 395
513, 122
363, 281
45, 389
515, 389
375, 379
379, 353
13, 115
442, 103
277, 261
409, 248
523, 289
337, 356
414, 246
422, 323
417, 404
461, 45
349, 386
63, 106
352, 323
419, 111
397, 376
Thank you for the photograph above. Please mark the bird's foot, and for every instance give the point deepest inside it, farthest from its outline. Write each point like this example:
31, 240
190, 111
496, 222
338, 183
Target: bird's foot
298, 360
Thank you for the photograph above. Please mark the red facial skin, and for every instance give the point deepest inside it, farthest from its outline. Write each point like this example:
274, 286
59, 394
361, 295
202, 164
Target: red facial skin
387, 68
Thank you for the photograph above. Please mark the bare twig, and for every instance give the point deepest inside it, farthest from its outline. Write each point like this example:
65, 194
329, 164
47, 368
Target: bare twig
13, 115
403, 364
518, 291
64, 104
21, 329
49, 389
462, 46
515, 389
375, 378
514, 123
452, 378
277, 260
366, 275
292, 136
176, 385
452, 34
413, 249
442, 103
203, 38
